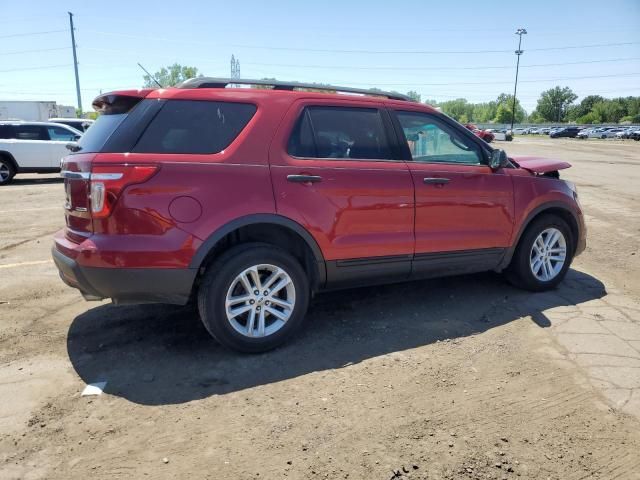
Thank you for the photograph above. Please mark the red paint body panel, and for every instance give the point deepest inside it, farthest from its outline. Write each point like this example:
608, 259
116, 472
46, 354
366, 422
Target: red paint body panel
360, 208
473, 211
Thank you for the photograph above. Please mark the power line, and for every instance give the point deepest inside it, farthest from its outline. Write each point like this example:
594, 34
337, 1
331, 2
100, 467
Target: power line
39, 50
434, 68
381, 52
35, 68
31, 33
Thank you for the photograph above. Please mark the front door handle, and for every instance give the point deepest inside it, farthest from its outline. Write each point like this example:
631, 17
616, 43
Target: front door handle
304, 178
435, 181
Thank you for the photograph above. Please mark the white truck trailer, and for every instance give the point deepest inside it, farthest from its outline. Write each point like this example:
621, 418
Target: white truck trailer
33, 111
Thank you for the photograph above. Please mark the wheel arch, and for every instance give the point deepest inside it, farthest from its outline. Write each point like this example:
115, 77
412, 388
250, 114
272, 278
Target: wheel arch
266, 228
9, 156
554, 208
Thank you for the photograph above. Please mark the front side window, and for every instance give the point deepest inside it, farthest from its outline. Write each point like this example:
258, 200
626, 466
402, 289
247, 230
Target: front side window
30, 132
194, 127
340, 133
432, 141
61, 134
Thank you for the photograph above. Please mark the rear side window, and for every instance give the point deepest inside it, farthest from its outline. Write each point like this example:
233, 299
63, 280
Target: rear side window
6, 131
30, 132
194, 127
61, 134
94, 138
340, 132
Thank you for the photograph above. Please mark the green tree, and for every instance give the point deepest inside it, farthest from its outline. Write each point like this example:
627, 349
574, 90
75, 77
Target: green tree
505, 108
553, 103
608, 111
458, 109
584, 107
413, 95
171, 75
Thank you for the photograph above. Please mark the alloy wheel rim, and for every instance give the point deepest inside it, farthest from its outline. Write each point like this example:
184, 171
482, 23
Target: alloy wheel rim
4, 172
548, 254
260, 300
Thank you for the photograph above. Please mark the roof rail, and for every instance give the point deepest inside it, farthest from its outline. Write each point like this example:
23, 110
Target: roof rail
210, 82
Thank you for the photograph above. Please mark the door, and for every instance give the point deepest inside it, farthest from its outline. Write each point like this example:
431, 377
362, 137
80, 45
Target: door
59, 137
31, 148
464, 210
333, 172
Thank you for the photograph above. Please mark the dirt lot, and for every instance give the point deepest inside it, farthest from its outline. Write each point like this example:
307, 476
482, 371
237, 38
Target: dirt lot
457, 378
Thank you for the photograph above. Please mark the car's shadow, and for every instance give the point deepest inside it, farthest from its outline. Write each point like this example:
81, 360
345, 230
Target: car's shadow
44, 180
158, 354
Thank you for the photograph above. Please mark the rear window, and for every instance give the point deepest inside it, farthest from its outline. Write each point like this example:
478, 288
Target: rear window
194, 127
94, 138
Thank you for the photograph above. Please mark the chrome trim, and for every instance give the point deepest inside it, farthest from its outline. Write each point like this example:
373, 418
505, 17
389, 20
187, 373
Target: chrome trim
75, 175
106, 176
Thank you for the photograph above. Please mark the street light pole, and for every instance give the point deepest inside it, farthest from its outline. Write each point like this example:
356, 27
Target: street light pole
520, 32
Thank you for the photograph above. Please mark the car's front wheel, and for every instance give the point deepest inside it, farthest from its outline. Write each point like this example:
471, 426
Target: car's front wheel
254, 297
7, 172
543, 255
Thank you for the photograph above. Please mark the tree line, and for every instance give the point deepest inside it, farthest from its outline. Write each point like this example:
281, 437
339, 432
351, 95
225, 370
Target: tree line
556, 105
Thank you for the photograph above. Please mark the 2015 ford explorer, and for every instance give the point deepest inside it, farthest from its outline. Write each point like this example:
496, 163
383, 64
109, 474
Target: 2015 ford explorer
250, 200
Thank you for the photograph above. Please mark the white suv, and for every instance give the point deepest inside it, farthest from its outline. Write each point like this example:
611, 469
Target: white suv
33, 147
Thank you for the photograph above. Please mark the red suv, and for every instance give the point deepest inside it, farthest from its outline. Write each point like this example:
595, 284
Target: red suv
250, 200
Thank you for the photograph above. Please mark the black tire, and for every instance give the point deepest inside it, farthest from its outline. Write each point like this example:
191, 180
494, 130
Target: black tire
519, 271
218, 279
6, 165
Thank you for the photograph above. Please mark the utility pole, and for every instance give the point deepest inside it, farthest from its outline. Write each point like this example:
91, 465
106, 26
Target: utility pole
75, 61
520, 32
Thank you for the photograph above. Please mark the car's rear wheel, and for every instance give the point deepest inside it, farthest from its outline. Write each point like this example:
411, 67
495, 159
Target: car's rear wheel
543, 255
7, 172
253, 298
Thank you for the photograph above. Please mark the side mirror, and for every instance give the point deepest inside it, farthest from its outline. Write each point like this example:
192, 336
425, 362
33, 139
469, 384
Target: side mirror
498, 159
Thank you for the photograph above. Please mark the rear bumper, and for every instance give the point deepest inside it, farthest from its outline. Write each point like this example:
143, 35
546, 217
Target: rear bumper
127, 285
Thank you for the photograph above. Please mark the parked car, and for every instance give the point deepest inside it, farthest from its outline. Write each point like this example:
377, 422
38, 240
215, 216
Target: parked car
610, 132
521, 131
485, 135
81, 124
570, 132
249, 200
503, 134
33, 147
635, 135
592, 133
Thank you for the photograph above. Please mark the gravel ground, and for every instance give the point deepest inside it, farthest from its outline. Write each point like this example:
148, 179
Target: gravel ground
453, 378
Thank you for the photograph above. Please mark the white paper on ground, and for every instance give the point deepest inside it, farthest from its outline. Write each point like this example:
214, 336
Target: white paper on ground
94, 389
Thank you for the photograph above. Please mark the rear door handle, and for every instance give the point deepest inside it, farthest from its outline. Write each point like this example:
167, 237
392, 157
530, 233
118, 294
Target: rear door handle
435, 181
304, 178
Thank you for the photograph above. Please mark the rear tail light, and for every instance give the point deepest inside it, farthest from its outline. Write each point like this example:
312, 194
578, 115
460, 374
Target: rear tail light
108, 181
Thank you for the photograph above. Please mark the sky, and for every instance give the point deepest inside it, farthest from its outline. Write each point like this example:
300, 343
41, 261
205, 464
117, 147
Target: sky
441, 49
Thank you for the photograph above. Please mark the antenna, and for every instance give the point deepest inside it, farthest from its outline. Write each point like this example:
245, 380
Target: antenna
235, 67
150, 76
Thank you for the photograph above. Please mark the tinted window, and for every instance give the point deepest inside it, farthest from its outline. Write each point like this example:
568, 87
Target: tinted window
30, 132
196, 127
340, 132
6, 131
95, 137
431, 140
61, 134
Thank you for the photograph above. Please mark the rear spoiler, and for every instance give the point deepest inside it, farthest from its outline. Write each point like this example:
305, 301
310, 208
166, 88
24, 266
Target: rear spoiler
120, 101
